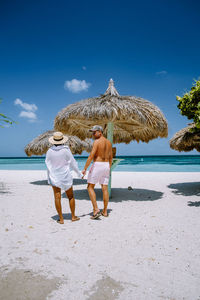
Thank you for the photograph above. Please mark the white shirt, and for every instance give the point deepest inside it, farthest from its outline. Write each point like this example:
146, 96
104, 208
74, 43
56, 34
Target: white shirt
59, 160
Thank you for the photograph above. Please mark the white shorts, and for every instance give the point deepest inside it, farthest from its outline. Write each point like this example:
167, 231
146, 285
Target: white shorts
99, 173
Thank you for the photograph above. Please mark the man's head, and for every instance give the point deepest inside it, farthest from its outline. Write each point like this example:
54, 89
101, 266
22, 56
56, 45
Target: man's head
97, 131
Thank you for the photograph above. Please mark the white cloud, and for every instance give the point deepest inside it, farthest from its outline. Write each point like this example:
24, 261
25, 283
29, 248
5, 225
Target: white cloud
161, 72
29, 115
28, 110
76, 86
84, 68
26, 106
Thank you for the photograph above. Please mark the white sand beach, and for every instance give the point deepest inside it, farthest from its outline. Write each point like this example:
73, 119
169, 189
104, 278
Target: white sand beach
147, 249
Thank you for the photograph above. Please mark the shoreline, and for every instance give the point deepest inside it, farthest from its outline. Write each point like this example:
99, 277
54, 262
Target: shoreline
148, 248
126, 164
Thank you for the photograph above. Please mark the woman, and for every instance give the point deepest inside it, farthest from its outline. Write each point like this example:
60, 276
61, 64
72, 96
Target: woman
59, 160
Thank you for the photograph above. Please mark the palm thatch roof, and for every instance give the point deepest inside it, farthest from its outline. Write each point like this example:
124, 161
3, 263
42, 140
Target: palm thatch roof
186, 140
40, 144
134, 118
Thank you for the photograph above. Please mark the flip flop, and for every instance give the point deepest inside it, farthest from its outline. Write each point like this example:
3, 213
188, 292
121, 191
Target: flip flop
104, 215
77, 219
96, 216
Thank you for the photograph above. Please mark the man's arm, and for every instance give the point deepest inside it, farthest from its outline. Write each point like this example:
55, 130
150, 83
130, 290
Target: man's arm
90, 157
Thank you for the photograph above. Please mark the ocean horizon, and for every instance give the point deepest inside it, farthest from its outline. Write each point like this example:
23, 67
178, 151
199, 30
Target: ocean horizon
135, 163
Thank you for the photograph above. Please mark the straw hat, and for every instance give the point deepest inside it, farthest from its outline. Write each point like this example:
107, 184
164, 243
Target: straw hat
58, 138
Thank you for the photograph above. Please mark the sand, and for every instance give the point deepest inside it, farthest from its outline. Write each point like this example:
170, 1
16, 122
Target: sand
148, 248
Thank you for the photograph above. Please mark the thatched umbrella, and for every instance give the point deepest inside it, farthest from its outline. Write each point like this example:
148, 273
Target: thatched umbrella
186, 140
41, 144
123, 118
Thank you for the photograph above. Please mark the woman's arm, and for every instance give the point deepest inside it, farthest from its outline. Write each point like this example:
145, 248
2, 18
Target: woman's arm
73, 164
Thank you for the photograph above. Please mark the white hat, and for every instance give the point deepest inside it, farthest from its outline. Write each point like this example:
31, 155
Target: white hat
58, 138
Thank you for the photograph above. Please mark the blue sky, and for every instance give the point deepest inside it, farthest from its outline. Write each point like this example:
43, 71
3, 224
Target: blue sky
150, 48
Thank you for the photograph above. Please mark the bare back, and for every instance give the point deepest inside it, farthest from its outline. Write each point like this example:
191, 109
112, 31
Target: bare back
103, 151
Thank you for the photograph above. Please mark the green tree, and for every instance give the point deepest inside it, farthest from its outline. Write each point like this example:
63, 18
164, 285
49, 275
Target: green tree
189, 104
4, 119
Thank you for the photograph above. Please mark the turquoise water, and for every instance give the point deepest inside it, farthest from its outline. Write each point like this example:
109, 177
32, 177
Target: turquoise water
168, 163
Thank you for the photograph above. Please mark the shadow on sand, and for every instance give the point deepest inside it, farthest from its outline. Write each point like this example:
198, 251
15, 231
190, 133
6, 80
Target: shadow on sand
196, 204
76, 181
4, 192
120, 194
40, 182
186, 188
69, 216
3, 189
65, 216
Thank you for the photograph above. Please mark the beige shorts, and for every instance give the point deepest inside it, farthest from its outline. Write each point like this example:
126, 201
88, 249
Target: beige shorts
99, 173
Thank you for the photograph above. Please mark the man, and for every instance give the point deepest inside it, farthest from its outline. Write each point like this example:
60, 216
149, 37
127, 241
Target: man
101, 155
59, 160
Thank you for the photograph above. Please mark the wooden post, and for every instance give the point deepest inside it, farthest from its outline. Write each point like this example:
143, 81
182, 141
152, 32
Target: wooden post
110, 138
110, 132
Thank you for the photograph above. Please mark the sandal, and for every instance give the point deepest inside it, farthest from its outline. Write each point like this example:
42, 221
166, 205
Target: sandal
96, 216
102, 213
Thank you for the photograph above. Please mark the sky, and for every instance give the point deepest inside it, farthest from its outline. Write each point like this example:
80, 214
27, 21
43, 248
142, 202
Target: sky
54, 53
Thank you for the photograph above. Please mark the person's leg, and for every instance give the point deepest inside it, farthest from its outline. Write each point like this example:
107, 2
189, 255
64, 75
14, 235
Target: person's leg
105, 199
70, 196
93, 198
57, 197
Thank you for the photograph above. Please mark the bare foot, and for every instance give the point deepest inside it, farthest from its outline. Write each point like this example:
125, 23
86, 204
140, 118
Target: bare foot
75, 219
60, 221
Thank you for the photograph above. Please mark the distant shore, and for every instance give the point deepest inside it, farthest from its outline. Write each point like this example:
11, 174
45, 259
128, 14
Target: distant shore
148, 247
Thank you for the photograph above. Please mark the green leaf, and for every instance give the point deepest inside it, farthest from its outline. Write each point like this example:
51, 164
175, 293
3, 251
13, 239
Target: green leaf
189, 104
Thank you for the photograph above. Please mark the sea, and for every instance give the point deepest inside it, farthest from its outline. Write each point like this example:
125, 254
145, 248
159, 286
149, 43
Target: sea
157, 163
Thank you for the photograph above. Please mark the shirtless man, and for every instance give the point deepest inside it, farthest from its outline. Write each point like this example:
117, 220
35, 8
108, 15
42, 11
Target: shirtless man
101, 155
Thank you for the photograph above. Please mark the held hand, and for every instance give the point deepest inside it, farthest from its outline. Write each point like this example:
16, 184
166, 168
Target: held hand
83, 172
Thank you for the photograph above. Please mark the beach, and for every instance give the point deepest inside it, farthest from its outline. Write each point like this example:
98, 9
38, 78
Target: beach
147, 249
